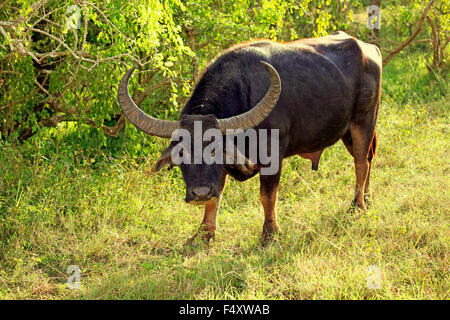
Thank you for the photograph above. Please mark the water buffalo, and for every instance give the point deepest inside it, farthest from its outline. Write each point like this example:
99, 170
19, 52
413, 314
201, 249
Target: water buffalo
315, 91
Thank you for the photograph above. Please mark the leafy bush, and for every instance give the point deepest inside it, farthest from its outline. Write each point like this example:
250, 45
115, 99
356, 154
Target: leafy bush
61, 61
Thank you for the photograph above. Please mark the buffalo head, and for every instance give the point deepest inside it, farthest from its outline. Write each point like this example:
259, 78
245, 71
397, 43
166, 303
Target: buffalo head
201, 178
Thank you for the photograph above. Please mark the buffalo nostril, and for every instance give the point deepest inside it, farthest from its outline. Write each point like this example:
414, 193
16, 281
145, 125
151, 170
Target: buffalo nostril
201, 192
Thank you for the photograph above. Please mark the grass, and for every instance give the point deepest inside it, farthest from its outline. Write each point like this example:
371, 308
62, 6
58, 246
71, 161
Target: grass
61, 205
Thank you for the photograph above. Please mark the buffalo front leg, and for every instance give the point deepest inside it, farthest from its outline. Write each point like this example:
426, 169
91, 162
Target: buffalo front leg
207, 229
268, 192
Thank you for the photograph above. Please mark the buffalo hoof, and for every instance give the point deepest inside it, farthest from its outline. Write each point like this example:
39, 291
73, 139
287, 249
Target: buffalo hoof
200, 238
356, 208
269, 233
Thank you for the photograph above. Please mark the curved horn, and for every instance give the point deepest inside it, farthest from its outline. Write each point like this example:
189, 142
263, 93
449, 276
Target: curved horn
256, 115
150, 125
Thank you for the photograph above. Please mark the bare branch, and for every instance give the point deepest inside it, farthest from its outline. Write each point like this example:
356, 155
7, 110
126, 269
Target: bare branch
411, 38
193, 45
112, 132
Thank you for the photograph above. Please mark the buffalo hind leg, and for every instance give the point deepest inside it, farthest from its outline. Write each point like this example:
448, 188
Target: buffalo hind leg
362, 148
347, 139
268, 192
207, 229
370, 156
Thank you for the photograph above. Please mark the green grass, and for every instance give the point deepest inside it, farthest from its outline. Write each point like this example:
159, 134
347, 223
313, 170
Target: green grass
62, 205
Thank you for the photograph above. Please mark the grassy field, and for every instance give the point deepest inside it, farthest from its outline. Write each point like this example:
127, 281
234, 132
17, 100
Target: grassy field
61, 205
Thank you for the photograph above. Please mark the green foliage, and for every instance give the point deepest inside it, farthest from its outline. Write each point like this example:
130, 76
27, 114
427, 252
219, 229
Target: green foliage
76, 71
62, 63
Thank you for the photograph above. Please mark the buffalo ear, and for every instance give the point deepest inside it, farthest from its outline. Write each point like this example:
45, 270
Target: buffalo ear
164, 159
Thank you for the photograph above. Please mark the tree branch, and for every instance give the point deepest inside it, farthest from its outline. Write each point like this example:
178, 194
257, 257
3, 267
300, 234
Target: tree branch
411, 38
193, 45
